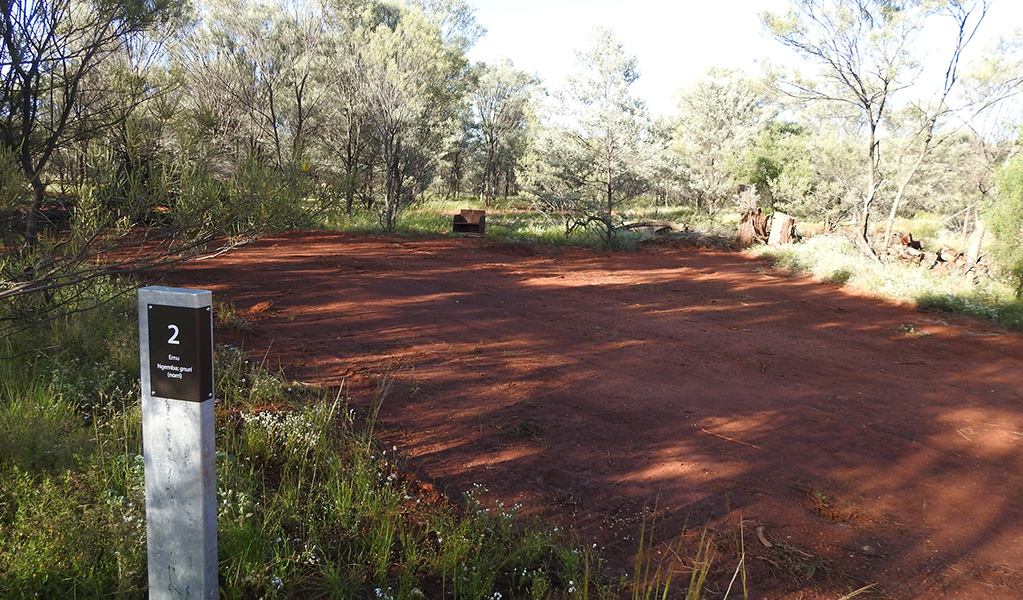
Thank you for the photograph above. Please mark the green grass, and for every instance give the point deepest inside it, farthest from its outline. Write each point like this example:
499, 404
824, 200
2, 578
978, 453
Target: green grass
836, 260
511, 220
921, 226
308, 504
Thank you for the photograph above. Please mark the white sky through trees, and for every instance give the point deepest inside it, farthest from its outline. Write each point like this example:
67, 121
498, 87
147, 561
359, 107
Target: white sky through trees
675, 41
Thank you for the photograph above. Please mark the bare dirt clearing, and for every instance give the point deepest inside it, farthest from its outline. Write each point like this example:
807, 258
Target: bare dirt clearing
873, 443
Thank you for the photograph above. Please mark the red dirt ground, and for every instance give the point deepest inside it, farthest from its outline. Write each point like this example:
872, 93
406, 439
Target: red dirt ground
866, 442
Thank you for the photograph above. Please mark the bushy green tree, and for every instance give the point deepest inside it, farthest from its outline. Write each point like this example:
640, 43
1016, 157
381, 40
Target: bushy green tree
1004, 217
667, 172
410, 69
819, 178
500, 103
588, 168
779, 144
719, 118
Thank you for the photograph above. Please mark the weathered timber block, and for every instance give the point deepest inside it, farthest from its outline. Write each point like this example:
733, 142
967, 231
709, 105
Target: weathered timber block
783, 228
470, 221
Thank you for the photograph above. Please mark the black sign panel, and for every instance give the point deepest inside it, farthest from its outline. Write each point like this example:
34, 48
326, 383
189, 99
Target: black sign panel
181, 352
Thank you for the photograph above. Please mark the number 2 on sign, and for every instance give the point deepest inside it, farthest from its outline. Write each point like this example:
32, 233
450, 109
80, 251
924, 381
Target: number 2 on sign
174, 336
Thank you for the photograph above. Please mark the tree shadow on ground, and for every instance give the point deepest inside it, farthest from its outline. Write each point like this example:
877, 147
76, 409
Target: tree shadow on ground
880, 442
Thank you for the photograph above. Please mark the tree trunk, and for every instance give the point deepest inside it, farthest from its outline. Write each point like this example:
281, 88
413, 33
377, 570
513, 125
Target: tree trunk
390, 160
973, 252
752, 228
609, 225
899, 194
870, 193
489, 174
753, 224
34, 223
274, 128
909, 176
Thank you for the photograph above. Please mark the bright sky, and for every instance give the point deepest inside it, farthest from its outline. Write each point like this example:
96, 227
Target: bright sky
675, 41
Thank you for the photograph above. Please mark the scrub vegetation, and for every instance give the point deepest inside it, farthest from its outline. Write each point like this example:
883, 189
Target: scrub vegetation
138, 134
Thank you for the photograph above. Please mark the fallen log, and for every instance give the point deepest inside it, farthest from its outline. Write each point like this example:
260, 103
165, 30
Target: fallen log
656, 225
944, 260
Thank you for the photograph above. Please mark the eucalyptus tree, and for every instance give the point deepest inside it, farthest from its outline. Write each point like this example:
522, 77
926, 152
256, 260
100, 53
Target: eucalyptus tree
500, 102
718, 119
408, 64
864, 50
667, 171
591, 166
50, 96
254, 64
967, 17
345, 142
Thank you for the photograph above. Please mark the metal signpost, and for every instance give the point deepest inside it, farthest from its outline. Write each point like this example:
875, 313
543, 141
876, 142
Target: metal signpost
176, 353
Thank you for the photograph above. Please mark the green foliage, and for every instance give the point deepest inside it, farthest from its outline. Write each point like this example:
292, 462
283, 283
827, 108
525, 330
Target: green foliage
1004, 215
865, 52
719, 118
78, 533
71, 500
769, 155
820, 177
501, 112
981, 304
12, 189
586, 171
409, 80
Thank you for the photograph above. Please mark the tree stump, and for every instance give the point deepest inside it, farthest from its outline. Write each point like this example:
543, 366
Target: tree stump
783, 229
753, 224
752, 228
